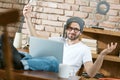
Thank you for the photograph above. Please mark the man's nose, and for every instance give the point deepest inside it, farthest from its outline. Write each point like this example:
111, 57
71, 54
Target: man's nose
72, 31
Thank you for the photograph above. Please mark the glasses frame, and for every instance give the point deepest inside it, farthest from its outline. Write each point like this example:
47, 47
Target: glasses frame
75, 29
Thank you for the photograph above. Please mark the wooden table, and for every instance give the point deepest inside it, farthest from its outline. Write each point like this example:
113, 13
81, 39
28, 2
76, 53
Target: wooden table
35, 75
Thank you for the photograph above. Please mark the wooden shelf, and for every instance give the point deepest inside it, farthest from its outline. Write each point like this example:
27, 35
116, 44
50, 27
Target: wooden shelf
108, 57
111, 62
100, 31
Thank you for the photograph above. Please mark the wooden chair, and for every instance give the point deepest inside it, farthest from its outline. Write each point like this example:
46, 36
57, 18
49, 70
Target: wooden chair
7, 17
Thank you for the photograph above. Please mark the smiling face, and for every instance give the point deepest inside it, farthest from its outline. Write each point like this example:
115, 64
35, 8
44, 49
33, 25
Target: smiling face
73, 31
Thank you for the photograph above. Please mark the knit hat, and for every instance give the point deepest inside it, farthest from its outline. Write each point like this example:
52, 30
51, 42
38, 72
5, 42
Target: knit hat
77, 20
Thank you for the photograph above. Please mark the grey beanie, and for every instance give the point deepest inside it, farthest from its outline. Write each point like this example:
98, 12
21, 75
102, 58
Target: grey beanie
77, 20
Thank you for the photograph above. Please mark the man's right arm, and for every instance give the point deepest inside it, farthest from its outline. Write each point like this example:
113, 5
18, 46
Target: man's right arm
27, 14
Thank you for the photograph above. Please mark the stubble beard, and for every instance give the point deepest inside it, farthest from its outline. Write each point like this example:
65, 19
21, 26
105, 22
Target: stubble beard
73, 37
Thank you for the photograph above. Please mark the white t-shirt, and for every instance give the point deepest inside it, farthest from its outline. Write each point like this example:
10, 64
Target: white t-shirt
76, 54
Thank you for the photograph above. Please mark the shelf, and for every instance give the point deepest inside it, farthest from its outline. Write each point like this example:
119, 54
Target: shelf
100, 31
104, 37
108, 58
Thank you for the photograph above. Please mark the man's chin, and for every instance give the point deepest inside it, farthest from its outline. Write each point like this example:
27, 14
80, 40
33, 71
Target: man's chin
71, 38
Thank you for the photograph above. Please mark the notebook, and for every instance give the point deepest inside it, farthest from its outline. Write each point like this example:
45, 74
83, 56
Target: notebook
44, 47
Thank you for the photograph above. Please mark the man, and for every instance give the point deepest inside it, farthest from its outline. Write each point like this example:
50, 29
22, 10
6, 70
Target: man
75, 52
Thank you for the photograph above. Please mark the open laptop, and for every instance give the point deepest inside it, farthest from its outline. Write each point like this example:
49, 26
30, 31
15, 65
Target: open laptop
43, 47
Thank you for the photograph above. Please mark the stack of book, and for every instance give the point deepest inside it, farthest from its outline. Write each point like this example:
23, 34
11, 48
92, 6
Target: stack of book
92, 43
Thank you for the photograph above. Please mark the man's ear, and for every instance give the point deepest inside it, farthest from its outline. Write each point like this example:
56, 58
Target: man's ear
80, 33
80, 37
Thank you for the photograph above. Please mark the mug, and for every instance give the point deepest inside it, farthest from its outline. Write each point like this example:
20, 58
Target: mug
65, 71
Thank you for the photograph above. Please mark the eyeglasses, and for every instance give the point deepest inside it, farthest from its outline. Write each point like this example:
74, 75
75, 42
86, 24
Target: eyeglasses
75, 29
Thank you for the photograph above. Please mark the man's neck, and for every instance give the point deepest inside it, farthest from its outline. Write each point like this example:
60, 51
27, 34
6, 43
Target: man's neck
71, 42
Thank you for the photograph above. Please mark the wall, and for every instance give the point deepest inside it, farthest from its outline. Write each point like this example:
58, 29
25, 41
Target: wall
11, 4
49, 16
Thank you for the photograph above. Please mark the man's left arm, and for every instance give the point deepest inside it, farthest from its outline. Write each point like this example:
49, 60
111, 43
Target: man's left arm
91, 68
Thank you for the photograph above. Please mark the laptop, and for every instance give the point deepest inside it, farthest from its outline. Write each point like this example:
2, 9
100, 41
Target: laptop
44, 47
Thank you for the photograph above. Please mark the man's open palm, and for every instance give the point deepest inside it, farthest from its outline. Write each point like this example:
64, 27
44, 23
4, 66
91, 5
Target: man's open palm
109, 49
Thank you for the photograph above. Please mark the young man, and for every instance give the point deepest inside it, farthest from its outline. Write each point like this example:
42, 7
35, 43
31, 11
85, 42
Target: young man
75, 52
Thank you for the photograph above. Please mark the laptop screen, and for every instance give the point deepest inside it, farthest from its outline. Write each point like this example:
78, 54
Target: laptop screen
43, 47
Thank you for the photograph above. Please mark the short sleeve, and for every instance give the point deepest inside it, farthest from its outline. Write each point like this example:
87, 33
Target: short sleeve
87, 55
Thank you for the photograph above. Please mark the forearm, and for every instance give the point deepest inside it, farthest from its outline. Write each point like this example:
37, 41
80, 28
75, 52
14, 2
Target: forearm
32, 30
96, 66
30, 27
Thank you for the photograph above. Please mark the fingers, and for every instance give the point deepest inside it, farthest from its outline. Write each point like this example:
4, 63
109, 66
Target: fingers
112, 46
109, 49
27, 8
27, 11
115, 45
